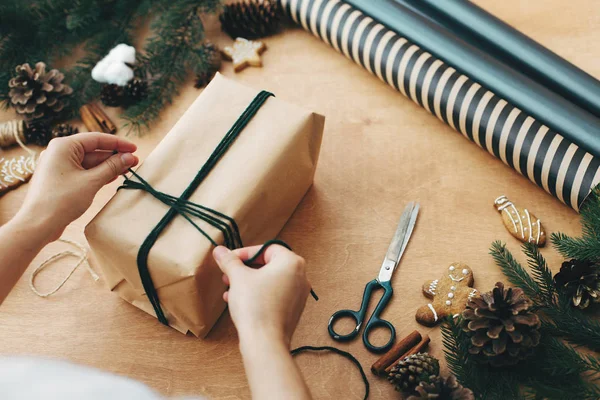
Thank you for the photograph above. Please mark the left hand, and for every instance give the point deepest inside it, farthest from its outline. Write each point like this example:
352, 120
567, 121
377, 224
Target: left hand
68, 175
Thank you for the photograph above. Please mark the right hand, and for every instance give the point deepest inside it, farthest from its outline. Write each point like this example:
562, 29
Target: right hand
68, 175
268, 300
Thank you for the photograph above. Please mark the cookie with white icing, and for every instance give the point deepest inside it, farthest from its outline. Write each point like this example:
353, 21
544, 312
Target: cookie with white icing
521, 223
449, 294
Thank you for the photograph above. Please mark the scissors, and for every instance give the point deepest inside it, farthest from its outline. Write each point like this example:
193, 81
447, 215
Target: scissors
390, 262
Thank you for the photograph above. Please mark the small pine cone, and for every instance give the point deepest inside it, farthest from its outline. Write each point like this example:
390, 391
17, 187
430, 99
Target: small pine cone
251, 19
111, 95
442, 389
580, 280
407, 374
38, 132
37, 94
204, 78
136, 90
212, 57
62, 130
502, 328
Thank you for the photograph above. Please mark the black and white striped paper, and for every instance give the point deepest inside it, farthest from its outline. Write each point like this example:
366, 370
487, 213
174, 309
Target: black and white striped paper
545, 157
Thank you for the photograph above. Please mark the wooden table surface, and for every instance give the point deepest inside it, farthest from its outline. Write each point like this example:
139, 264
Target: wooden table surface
379, 151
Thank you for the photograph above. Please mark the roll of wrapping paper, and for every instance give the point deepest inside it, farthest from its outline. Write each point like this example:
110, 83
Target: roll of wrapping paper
573, 122
560, 167
505, 43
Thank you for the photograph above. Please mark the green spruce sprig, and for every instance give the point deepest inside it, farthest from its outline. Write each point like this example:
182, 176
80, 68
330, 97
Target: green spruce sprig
556, 370
48, 30
586, 247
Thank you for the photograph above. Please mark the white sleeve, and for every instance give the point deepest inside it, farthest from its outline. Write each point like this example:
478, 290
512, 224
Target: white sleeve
26, 378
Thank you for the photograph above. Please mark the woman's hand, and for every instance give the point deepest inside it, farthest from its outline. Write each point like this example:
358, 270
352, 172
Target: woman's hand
265, 305
268, 300
68, 175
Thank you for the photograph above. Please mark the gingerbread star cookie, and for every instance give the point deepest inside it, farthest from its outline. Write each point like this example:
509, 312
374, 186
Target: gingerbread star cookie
522, 224
15, 171
450, 294
244, 53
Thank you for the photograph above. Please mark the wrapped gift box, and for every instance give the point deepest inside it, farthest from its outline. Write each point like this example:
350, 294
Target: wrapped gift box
259, 182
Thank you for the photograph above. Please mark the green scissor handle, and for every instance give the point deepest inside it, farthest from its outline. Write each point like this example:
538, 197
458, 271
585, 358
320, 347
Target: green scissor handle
374, 320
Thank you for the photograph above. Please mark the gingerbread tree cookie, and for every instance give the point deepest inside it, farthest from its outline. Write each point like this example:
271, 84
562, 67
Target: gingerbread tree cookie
450, 294
15, 171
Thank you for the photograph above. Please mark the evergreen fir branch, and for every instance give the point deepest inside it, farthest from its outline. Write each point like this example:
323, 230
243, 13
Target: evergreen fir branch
456, 351
168, 54
121, 28
540, 271
515, 273
572, 324
586, 247
562, 359
569, 387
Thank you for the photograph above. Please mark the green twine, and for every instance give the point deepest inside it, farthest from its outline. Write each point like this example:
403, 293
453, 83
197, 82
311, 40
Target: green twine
182, 206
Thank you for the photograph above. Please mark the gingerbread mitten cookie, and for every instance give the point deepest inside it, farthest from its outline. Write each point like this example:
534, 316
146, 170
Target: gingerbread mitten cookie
450, 294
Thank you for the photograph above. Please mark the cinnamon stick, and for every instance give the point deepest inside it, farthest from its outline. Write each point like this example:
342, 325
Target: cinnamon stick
419, 347
404, 345
89, 120
107, 125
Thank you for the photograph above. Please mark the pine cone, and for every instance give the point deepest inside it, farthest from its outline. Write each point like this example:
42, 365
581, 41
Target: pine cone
136, 90
213, 62
62, 130
442, 389
581, 281
38, 132
37, 94
502, 328
251, 19
112, 95
407, 374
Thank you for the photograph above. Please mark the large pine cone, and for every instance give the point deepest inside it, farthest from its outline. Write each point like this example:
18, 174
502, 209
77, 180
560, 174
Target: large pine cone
442, 389
581, 281
407, 374
251, 19
502, 328
37, 94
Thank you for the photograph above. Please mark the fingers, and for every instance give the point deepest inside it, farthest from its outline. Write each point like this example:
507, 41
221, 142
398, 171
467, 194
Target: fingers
113, 166
92, 141
228, 261
273, 251
93, 159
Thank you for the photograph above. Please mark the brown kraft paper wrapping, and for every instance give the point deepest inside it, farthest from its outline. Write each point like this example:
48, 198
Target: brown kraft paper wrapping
259, 182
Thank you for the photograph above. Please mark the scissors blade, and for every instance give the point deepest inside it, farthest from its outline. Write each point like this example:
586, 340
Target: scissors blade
399, 241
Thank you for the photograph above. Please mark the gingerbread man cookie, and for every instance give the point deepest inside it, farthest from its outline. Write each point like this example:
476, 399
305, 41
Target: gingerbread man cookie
450, 294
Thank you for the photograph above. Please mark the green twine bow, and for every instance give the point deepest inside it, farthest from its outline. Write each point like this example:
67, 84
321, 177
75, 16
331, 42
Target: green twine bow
188, 210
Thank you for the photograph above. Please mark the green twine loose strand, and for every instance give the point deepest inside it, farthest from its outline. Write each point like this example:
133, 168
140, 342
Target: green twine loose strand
342, 353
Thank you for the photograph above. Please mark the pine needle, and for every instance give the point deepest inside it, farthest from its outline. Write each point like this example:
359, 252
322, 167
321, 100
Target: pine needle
515, 273
541, 272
